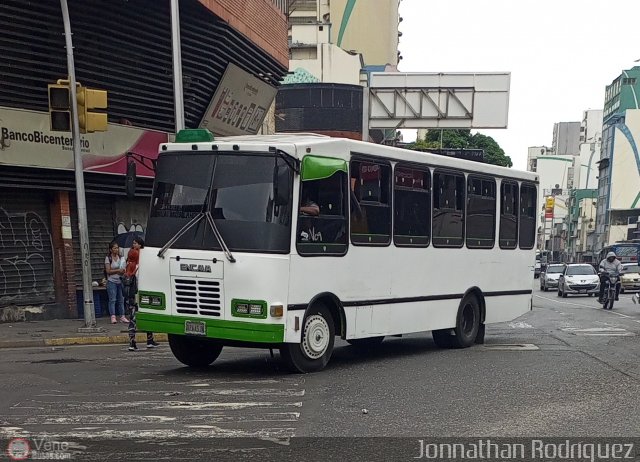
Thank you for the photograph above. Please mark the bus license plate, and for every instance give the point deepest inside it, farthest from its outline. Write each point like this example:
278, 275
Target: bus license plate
195, 328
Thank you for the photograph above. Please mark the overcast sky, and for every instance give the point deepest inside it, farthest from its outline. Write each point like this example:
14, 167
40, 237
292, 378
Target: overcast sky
561, 54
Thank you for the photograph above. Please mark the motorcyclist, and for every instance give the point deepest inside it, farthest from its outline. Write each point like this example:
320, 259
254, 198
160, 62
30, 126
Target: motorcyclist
609, 266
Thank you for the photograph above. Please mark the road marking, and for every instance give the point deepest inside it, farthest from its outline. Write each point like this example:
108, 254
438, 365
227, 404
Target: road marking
520, 325
587, 306
512, 347
599, 331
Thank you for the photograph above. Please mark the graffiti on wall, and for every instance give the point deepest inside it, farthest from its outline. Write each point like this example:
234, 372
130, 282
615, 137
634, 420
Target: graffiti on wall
25, 241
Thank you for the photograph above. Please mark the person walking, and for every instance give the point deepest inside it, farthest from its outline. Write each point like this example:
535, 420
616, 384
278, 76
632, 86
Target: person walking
130, 291
113, 270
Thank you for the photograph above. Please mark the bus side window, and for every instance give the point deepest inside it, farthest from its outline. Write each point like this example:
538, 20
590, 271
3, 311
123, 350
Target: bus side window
370, 203
322, 221
508, 215
448, 209
412, 206
481, 213
527, 234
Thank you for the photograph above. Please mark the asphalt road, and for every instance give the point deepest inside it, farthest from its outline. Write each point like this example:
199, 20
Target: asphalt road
566, 369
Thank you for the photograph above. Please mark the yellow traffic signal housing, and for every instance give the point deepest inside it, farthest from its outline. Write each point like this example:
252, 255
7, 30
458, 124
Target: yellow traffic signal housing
59, 107
89, 99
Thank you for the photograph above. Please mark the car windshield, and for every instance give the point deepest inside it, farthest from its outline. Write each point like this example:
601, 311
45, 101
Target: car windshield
631, 269
555, 269
239, 189
580, 270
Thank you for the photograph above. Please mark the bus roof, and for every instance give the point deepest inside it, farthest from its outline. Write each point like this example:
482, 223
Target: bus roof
300, 144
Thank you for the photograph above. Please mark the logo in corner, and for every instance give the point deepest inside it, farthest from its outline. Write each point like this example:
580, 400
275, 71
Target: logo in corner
18, 449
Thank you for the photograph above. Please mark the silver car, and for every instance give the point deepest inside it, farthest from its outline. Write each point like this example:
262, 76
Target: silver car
549, 278
578, 279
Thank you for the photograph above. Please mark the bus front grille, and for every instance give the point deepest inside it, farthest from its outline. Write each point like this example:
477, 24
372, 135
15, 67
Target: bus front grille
197, 296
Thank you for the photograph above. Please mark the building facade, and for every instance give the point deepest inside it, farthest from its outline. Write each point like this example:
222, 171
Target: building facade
124, 48
619, 164
581, 225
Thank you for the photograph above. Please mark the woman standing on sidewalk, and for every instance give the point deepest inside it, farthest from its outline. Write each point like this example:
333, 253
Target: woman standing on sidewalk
130, 291
114, 269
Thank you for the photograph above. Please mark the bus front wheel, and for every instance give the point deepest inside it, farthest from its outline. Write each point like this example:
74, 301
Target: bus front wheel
194, 352
467, 326
313, 352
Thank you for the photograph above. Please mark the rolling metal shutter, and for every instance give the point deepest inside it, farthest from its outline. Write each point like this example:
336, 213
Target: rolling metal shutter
100, 215
26, 248
123, 47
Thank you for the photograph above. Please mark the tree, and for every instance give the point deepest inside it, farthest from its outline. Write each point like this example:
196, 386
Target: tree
463, 139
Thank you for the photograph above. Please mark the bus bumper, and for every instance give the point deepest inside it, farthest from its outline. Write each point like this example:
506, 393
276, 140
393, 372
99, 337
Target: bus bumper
240, 331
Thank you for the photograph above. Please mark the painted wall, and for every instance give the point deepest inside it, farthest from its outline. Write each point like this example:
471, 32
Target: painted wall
332, 65
566, 138
369, 27
625, 169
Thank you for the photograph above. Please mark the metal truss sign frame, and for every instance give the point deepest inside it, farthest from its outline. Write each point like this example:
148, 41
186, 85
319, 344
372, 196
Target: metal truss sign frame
456, 100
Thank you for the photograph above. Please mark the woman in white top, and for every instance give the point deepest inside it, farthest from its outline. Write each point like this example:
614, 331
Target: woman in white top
114, 267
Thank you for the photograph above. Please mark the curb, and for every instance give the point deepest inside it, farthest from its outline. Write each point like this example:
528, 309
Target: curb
70, 341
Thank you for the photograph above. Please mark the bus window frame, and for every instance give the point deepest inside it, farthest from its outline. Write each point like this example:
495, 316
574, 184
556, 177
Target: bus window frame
357, 157
527, 184
481, 177
453, 172
429, 171
517, 215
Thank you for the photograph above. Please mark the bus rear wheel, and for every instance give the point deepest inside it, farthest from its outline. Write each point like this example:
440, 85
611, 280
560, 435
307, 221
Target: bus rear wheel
467, 326
194, 352
313, 352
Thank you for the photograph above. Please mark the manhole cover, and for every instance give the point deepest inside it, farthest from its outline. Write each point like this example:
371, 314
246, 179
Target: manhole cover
601, 331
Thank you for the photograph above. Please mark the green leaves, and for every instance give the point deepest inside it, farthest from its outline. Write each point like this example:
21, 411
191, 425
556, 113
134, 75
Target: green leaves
462, 139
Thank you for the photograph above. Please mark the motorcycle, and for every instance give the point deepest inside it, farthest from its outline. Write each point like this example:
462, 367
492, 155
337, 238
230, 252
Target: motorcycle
611, 282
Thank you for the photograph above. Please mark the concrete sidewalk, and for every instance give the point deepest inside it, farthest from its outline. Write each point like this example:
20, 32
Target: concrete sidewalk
59, 332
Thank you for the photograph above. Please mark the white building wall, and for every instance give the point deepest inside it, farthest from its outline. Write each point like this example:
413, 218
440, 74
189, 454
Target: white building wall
332, 64
625, 171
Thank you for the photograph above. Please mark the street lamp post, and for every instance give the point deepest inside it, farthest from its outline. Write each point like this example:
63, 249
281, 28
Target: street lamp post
177, 65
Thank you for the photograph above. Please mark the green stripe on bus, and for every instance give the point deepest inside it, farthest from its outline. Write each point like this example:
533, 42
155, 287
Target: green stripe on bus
635, 202
216, 328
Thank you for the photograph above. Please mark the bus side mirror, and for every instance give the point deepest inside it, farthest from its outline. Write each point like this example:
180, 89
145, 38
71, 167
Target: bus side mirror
282, 184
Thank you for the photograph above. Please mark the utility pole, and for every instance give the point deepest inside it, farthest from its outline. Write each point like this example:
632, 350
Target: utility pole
178, 96
87, 289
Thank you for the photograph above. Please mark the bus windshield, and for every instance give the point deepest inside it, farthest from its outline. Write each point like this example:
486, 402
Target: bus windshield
247, 194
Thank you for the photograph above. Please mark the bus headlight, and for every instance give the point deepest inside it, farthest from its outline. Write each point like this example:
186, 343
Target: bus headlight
249, 308
153, 300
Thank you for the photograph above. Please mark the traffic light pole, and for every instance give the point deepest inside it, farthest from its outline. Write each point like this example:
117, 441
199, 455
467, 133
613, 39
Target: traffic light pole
87, 289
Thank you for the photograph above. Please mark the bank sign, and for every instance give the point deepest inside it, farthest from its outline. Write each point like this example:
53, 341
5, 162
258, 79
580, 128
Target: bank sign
239, 105
27, 141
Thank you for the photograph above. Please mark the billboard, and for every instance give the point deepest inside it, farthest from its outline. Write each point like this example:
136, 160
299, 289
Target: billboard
26, 140
239, 105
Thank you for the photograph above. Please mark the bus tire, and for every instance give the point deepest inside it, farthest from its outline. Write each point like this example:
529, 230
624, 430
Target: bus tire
366, 343
465, 333
194, 352
313, 352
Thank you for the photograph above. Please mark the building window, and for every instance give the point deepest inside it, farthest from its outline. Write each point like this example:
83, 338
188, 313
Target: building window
481, 213
508, 215
527, 234
448, 209
412, 207
370, 203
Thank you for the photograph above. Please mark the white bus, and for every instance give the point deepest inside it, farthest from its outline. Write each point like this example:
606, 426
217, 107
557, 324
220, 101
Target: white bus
391, 241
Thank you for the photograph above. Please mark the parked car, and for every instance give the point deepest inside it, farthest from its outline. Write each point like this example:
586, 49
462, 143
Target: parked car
549, 278
630, 278
578, 279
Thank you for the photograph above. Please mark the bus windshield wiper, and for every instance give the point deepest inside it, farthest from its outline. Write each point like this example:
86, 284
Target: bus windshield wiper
179, 234
190, 225
216, 233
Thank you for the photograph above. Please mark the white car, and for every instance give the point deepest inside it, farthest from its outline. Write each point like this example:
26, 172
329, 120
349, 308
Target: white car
578, 279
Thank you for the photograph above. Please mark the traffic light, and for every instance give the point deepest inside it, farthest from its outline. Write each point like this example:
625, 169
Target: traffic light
89, 99
60, 107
